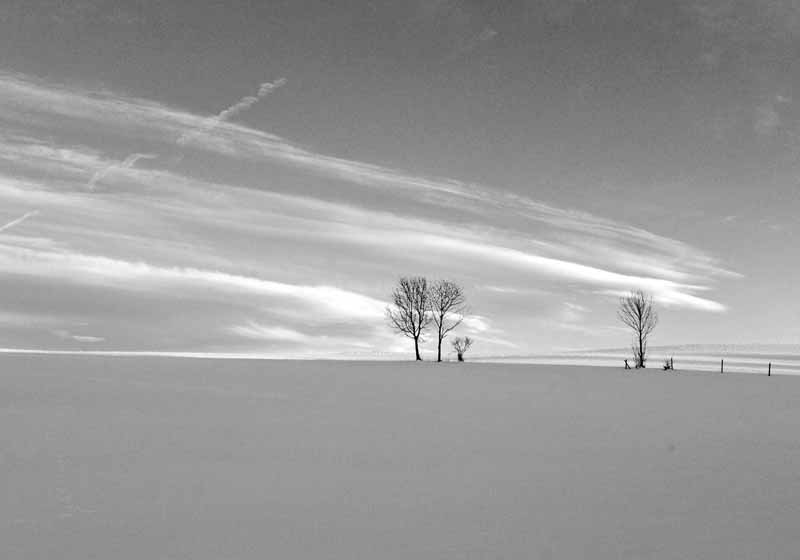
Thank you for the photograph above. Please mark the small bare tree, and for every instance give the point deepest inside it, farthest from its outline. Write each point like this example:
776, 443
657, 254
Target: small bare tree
410, 313
447, 309
637, 312
461, 345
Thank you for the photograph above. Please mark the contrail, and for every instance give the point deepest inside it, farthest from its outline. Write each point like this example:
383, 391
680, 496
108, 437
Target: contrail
19, 220
246, 102
242, 105
127, 163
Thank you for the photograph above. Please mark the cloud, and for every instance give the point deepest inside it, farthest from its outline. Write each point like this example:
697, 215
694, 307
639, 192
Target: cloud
89, 269
18, 221
211, 135
67, 335
84, 338
127, 163
665, 291
310, 345
142, 354
339, 223
158, 235
246, 102
28, 320
493, 253
26, 150
235, 141
231, 140
242, 105
476, 324
278, 334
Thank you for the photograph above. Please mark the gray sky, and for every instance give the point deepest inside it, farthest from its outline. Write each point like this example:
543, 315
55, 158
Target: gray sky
253, 177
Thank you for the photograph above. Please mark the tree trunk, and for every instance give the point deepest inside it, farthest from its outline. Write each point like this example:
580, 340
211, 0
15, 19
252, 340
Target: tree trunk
460, 357
641, 351
439, 333
416, 349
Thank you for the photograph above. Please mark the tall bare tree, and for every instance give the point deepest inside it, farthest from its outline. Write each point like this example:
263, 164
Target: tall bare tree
461, 345
410, 313
447, 309
637, 312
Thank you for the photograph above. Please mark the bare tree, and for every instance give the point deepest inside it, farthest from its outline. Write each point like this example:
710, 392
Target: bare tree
637, 312
461, 345
447, 309
410, 313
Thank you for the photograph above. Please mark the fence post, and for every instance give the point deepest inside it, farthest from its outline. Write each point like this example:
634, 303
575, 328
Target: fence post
722, 366
769, 370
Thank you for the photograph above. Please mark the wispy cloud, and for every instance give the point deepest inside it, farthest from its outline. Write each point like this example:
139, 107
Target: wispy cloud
255, 331
665, 291
81, 268
67, 335
390, 234
246, 102
158, 230
86, 338
662, 265
231, 140
477, 324
281, 336
26, 319
242, 105
127, 163
18, 221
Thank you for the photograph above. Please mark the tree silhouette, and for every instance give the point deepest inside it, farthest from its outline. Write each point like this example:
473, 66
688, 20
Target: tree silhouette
461, 345
447, 309
636, 311
410, 312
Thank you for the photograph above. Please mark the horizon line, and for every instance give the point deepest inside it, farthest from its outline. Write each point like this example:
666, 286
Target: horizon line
385, 358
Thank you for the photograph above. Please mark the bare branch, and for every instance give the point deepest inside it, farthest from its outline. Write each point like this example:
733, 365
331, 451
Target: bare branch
447, 305
409, 313
461, 345
637, 312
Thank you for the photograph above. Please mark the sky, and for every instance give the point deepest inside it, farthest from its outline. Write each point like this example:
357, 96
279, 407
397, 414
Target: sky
254, 177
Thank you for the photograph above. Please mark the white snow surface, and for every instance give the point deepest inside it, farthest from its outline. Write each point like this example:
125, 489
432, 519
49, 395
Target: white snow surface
169, 458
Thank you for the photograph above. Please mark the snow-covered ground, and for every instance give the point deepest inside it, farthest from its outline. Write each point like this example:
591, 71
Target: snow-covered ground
739, 358
156, 458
